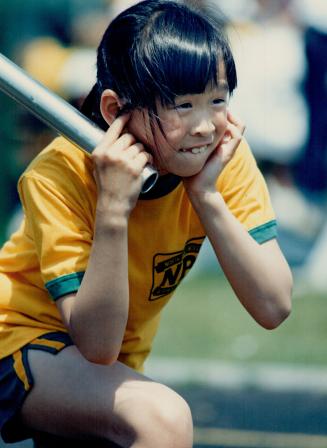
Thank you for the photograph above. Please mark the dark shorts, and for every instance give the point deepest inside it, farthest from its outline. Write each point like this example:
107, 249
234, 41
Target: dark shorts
16, 381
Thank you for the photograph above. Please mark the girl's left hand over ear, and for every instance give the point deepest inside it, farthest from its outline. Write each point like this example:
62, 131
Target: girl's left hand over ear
206, 179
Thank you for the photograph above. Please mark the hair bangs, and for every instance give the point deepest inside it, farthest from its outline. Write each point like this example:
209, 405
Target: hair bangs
187, 68
158, 50
181, 54
179, 57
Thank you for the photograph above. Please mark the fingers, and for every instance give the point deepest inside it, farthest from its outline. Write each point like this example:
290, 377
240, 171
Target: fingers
113, 134
133, 150
116, 129
123, 143
234, 131
137, 155
119, 158
231, 138
234, 121
125, 154
138, 150
117, 143
143, 159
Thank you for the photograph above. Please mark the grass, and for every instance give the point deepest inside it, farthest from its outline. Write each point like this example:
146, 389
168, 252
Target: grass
205, 320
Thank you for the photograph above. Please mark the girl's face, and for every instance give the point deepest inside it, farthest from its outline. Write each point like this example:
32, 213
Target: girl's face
192, 129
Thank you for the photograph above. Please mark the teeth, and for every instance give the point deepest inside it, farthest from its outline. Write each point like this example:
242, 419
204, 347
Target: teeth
199, 150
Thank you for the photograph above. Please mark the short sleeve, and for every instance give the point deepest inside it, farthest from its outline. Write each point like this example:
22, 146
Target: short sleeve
246, 194
60, 230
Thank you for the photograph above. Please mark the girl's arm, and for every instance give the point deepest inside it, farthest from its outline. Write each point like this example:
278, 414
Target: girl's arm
96, 315
259, 274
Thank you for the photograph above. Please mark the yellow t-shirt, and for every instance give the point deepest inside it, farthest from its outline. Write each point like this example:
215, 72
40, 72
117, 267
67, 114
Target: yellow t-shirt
47, 257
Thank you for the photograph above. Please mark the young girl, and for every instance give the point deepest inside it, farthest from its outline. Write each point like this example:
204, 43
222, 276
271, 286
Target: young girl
84, 279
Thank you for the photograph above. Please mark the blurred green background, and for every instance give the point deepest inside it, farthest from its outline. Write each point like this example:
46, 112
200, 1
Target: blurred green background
205, 320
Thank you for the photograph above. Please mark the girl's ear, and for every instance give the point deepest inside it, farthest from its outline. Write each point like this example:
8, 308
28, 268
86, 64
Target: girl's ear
110, 105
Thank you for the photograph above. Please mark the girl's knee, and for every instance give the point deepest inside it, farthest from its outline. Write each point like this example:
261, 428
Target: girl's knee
152, 415
164, 417
174, 418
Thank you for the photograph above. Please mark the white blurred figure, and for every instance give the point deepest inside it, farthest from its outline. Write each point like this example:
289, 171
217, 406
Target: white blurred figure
271, 64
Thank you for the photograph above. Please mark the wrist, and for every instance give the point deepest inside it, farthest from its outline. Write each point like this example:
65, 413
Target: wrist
111, 218
207, 199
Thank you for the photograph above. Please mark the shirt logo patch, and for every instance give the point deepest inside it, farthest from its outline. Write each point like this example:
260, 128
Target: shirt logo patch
170, 269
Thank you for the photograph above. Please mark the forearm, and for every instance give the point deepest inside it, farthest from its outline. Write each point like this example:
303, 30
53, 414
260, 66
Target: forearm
100, 311
258, 274
97, 315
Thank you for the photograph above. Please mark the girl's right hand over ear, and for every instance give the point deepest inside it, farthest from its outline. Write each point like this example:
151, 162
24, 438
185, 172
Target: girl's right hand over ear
118, 164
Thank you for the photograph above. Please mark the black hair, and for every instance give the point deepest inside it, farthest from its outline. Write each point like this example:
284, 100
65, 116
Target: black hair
157, 50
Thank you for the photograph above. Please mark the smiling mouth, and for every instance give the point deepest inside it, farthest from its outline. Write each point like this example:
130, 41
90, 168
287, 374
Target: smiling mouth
198, 150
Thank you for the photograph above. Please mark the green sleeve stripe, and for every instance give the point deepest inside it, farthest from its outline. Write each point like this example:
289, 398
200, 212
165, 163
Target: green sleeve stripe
265, 232
64, 285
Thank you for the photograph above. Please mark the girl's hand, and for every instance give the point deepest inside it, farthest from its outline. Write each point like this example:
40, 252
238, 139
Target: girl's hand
118, 164
206, 179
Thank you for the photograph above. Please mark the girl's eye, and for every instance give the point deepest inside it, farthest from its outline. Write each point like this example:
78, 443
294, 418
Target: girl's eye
218, 101
183, 106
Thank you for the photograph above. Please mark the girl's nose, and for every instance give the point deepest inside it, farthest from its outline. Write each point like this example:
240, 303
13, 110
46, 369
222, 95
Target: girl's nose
204, 127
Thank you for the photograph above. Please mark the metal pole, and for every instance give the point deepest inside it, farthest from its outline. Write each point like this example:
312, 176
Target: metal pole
56, 112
